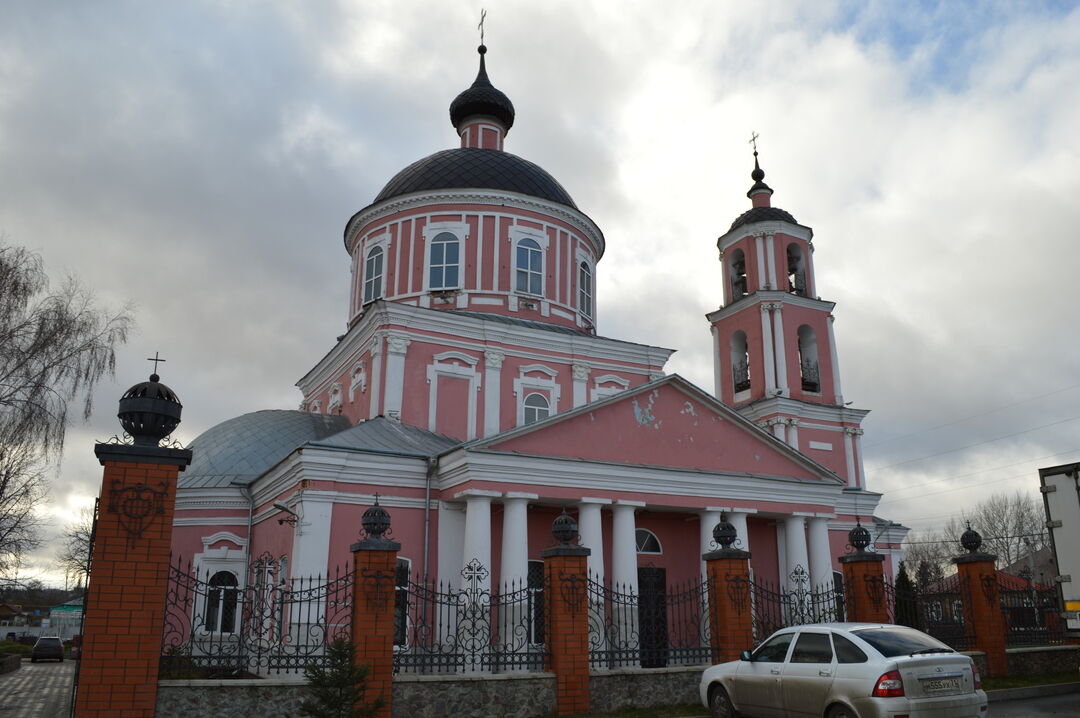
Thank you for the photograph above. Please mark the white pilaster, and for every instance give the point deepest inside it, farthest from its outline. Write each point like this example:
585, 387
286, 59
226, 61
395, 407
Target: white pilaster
493, 361
835, 362
396, 346
716, 361
793, 433
624, 545
820, 554
779, 428
767, 355
581, 384
781, 354
759, 245
376, 374
311, 537
477, 545
771, 282
451, 543
795, 540
849, 456
592, 533
858, 457
514, 569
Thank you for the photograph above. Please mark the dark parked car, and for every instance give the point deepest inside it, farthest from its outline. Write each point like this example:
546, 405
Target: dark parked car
47, 647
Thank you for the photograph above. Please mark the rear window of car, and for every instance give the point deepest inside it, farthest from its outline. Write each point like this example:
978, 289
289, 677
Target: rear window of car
900, 641
48, 642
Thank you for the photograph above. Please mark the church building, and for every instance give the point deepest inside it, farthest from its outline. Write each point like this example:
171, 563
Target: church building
474, 397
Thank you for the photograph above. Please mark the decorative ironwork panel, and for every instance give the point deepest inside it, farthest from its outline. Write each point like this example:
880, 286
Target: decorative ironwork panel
775, 607
216, 626
1032, 617
451, 629
938, 611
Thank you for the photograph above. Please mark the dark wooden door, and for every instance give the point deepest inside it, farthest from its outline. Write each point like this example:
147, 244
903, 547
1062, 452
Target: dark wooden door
652, 616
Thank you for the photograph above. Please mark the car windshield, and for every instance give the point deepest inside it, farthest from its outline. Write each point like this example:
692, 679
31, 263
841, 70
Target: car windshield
900, 641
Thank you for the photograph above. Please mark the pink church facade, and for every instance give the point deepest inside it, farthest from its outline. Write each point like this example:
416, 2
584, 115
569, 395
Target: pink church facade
473, 396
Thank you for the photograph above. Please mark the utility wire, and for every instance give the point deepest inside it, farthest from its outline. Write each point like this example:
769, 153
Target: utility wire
980, 471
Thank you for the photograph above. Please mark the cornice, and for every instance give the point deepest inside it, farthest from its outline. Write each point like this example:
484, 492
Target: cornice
772, 226
498, 198
770, 296
768, 406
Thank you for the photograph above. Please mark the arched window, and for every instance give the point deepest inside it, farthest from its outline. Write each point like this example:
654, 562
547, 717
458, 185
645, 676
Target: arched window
585, 290
796, 270
647, 541
445, 257
530, 267
373, 274
808, 359
740, 362
738, 275
536, 408
221, 599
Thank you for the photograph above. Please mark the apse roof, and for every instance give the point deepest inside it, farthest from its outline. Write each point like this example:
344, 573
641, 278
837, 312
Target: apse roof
243, 448
467, 167
762, 214
385, 436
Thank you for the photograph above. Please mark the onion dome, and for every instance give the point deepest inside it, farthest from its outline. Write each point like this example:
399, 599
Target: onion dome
762, 214
149, 411
482, 98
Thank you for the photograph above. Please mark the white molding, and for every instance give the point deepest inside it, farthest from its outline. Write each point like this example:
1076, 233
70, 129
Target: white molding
223, 536
209, 521
787, 229
438, 368
764, 296
460, 230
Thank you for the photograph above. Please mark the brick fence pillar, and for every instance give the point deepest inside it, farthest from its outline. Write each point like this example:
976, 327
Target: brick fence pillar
125, 602
864, 582
727, 571
566, 597
374, 570
980, 595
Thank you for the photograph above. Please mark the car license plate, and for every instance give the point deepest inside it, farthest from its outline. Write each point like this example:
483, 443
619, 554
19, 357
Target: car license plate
941, 685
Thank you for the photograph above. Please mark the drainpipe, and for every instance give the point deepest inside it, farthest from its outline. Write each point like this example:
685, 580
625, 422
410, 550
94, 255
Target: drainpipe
245, 490
432, 467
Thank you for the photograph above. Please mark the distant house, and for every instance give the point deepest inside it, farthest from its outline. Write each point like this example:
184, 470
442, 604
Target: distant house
65, 620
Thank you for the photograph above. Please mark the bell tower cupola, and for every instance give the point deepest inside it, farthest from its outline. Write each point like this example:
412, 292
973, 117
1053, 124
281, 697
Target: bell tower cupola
482, 114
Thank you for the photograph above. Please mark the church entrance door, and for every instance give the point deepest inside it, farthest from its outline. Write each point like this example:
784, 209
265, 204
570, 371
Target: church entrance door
652, 616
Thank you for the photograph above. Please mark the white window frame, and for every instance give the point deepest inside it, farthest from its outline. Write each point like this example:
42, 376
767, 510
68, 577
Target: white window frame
526, 408
366, 297
213, 561
336, 399
441, 366
525, 384
357, 378
460, 231
599, 392
585, 268
654, 537
517, 234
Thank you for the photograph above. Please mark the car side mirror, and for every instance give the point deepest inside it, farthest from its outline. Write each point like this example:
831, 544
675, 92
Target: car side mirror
745, 656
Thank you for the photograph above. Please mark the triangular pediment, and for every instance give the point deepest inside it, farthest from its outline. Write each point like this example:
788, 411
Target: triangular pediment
668, 422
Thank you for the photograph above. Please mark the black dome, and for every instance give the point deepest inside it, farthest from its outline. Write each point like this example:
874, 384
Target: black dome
482, 98
762, 214
466, 167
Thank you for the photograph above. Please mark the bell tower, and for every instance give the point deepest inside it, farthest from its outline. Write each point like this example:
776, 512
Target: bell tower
774, 349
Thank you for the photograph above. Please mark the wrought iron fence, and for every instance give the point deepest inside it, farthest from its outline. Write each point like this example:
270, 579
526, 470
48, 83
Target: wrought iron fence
775, 606
653, 627
938, 611
1032, 616
216, 626
441, 628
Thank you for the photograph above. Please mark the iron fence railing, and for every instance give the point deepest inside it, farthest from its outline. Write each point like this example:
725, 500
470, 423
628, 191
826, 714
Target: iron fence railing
777, 606
1032, 617
440, 628
217, 625
938, 611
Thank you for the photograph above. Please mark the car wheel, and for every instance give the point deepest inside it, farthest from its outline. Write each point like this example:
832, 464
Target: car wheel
841, 712
720, 704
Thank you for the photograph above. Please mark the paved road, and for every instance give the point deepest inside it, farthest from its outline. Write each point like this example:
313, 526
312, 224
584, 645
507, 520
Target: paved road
1064, 705
37, 690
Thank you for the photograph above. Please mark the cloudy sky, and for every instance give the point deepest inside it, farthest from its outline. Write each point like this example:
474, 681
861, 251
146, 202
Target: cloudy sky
201, 159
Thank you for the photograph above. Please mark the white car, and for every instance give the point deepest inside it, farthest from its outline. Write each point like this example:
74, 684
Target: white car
846, 670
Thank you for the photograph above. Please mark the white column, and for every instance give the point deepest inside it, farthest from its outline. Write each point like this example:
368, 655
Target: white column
738, 520
795, 543
769, 359
778, 343
793, 433
770, 252
514, 568
396, 346
477, 544
779, 427
592, 533
493, 362
376, 374
820, 554
451, 543
709, 518
849, 455
858, 457
759, 243
717, 371
580, 373
624, 545
835, 363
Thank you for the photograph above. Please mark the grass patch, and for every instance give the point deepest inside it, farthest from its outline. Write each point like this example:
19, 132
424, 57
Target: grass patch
1046, 679
16, 648
692, 709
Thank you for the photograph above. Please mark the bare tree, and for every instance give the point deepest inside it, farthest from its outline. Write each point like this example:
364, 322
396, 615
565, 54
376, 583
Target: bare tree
54, 347
1003, 520
74, 555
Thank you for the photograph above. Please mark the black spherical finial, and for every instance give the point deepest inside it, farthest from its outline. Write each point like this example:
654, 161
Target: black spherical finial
758, 174
149, 411
859, 537
482, 49
724, 533
376, 521
970, 539
564, 528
